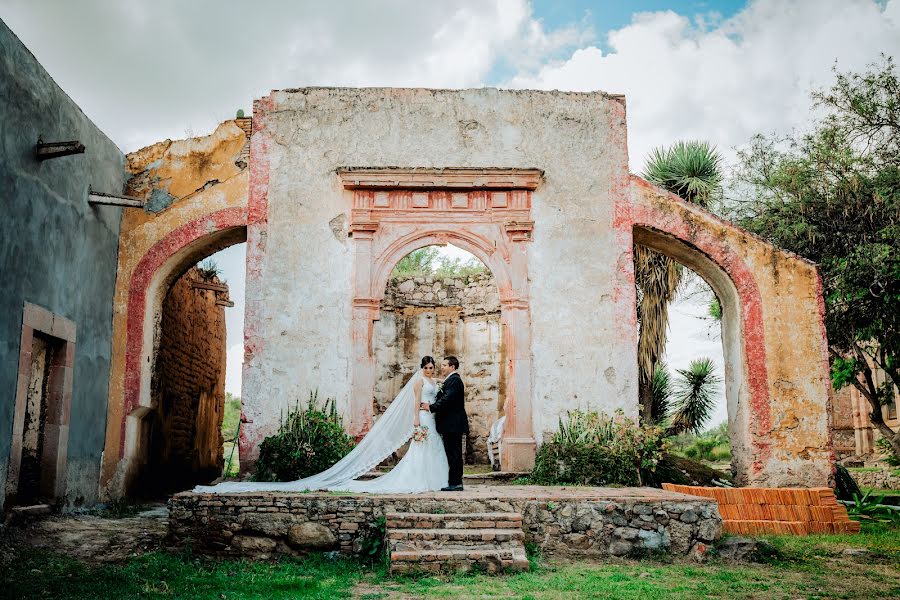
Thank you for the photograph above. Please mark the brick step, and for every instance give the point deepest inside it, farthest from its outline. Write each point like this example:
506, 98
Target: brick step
453, 520
448, 561
459, 536
436, 546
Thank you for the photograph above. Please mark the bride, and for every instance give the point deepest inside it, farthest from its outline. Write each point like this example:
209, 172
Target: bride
422, 469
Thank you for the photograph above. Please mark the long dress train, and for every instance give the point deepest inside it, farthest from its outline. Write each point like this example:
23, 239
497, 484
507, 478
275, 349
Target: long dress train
423, 467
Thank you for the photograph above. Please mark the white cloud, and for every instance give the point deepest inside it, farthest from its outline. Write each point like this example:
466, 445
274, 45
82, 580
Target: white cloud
144, 72
723, 83
749, 74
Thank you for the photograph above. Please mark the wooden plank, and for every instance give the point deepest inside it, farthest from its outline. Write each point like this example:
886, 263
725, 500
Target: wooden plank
114, 200
203, 285
47, 150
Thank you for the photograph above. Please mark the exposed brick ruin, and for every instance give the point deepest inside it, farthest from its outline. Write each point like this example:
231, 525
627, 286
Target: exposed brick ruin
184, 437
439, 317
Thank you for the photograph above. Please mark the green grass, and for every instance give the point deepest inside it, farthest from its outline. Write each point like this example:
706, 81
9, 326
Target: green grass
161, 575
801, 567
230, 420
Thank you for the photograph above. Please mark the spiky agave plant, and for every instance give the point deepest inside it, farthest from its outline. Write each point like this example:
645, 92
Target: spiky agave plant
694, 396
693, 171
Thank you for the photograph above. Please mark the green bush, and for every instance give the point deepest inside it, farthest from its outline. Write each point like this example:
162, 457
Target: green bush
595, 449
309, 440
720, 453
890, 457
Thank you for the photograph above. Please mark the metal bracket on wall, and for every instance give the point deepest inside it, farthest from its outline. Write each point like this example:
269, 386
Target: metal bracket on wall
114, 199
46, 150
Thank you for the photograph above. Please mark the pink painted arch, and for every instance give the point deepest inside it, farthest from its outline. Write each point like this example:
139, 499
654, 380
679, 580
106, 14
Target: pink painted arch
163, 263
689, 235
480, 247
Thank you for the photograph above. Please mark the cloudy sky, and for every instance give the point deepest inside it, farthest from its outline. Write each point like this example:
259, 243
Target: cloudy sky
719, 70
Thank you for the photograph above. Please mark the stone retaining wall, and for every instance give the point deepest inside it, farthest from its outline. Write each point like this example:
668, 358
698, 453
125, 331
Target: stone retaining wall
560, 521
884, 479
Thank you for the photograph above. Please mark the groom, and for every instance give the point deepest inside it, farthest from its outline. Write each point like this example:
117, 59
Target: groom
451, 420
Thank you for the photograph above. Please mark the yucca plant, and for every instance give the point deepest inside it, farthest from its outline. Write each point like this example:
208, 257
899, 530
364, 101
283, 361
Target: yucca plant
694, 396
687, 402
693, 171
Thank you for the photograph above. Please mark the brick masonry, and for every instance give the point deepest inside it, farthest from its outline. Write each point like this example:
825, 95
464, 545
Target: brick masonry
754, 511
560, 521
188, 386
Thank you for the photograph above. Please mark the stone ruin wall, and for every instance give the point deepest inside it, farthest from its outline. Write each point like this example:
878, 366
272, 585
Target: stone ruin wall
439, 317
843, 431
188, 386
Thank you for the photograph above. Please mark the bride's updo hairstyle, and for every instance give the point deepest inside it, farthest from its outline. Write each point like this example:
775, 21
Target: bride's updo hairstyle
426, 360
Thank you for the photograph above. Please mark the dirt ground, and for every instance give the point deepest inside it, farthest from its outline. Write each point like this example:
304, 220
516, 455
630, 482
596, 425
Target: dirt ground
92, 538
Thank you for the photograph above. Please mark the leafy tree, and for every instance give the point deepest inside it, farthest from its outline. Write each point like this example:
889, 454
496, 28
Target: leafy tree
416, 263
832, 195
429, 262
693, 171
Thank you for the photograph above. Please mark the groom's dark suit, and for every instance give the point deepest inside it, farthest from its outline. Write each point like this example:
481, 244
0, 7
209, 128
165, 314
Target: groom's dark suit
452, 423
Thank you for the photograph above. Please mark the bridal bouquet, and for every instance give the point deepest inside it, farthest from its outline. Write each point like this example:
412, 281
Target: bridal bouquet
420, 433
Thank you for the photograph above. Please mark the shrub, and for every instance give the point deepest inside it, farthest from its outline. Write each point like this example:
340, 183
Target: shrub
890, 457
721, 452
309, 440
595, 449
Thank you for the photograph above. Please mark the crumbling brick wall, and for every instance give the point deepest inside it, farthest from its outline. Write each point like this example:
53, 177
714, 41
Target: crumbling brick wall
188, 386
440, 317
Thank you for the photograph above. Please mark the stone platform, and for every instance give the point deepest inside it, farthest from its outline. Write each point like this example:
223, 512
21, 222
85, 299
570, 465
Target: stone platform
561, 521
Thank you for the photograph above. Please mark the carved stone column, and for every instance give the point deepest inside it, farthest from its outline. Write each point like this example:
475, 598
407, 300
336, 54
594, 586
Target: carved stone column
366, 310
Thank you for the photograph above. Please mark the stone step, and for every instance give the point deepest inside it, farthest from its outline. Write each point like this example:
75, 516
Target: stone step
454, 560
450, 542
453, 520
436, 545
457, 536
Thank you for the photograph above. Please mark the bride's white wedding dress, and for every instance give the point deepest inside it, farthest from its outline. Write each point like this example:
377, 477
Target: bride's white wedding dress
422, 469
424, 466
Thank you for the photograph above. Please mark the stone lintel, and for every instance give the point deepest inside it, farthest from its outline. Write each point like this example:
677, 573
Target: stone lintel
450, 178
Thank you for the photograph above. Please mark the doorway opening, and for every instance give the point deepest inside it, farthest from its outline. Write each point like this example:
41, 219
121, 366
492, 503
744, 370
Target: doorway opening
442, 301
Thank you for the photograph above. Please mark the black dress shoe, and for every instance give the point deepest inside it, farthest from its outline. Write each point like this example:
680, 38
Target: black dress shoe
452, 488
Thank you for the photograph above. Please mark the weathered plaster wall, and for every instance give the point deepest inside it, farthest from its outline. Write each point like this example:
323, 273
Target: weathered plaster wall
187, 390
777, 376
197, 195
299, 255
440, 317
56, 250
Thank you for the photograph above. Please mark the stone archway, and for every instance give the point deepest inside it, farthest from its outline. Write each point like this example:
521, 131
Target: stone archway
778, 426
486, 212
196, 192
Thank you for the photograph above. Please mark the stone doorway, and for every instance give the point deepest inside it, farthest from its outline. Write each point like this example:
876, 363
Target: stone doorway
486, 212
433, 306
38, 455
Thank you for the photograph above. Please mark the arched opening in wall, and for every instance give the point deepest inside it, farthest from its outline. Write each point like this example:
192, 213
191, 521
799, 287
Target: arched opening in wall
697, 390
187, 433
442, 301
